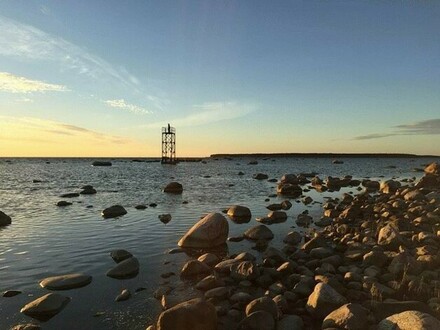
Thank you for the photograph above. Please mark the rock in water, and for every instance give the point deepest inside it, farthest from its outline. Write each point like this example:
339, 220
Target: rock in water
66, 282
410, 320
113, 211
165, 218
194, 268
194, 314
124, 295
125, 269
120, 255
4, 219
63, 203
46, 306
173, 188
260, 232
433, 168
323, 300
88, 190
239, 214
69, 195
211, 231
101, 163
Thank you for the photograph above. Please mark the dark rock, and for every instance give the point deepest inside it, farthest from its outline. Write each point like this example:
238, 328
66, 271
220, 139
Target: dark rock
113, 211
173, 188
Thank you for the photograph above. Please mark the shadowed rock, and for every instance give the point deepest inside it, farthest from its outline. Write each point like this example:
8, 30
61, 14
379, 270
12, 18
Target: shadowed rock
113, 211
46, 306
173, 188
4, 219
125, 269
101, 163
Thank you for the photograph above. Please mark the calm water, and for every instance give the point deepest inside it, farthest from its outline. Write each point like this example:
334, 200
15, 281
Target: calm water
46, 240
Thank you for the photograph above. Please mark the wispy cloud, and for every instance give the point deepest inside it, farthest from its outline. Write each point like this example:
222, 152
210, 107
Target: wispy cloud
210, 112
15, 84
121, 104
425, 127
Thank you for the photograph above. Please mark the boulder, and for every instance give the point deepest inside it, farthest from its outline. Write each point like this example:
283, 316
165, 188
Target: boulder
323, 300
240, 214
382, 310
165, 218
70, 195
88, 190
410, 320
194, 268
290, 190
290, 322
389, 186
45, 307
173, 188
245, 270
265, 304
63, 203
195, 314
211, 231
433, 168
66, 282
209, 259
127, 268
113, 211
293, 238
349, 316
120, 255
259, 320
4, 219
260, 232
389, 237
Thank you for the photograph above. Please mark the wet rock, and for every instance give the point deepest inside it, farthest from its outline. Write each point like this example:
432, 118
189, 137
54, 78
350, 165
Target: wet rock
45, 307
259, 320
260, 232
127, 268
323, 300
274, 207
120, 255
10, 293
224, 267
194, 268
433, 168
349, 316
140, 207
4, 219
173, 188
240, 214
211, 231
113, 211
165, 218
124, 295
219, 293
261, 176
286, 205
209, 259
63, 203
293, 238
389, 186
66, 282
303, 219
88, 190
410, 320
101, 163
194, 314
290, 190
209, 282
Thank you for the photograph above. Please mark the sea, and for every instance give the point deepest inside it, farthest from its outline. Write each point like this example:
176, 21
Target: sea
46, 240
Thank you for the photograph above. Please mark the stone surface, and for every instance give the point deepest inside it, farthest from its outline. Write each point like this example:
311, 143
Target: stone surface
260, 232
349, 316
262, 304
211, 231
259, 320
389, 237
45, 307
120, 255
194, 268
173, 188
124, 295
113, 211
239, 213
66, 282
323, 300
409, 320
290, 322
433, 168
194, 314
127, 268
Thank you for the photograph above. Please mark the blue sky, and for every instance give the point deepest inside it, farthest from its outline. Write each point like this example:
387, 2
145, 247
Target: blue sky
99, 78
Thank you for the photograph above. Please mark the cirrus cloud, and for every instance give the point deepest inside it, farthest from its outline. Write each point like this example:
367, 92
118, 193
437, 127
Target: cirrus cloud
16, 84
121, 104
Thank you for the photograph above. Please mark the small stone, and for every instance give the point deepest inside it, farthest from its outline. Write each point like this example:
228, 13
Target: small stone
69, 195
124, 295
165, 218
140, 207
11, 293
4, 219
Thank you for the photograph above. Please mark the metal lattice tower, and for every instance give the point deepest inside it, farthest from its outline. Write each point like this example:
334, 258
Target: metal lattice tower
168, 145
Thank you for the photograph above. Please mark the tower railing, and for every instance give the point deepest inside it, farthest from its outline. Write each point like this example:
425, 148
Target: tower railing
168, 145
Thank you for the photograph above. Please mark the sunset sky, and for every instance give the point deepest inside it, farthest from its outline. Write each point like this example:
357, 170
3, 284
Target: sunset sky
100, 78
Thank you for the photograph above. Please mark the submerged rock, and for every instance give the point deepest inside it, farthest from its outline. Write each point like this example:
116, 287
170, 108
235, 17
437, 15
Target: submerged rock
211, 231
88, 190
66, 282
46, 306
4, 219
173, 188
69, 195
165, 218
113, 211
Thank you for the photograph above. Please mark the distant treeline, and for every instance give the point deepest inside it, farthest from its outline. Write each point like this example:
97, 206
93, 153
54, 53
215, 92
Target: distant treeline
321, 155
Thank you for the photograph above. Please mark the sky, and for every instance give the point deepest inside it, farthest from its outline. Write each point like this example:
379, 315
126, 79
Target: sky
100, 78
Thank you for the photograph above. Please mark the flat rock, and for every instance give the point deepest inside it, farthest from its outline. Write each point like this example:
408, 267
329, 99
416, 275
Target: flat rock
113, 211
125, 269
211, 231
46, 306
63, 203
11, 293
70, 195
101, 163
66, 282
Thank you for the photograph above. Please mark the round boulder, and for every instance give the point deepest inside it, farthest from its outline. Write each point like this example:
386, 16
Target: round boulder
173, 188
240, 214
349, 316
260, 232
211, 231
113, 211
323, 300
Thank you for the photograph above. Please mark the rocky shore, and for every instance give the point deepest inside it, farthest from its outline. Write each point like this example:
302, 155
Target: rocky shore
374, 264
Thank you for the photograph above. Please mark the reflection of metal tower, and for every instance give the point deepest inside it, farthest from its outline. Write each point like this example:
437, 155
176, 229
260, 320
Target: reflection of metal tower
168, 145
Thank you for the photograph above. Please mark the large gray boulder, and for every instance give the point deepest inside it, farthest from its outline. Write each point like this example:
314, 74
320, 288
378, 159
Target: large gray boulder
4, 219
211, 231
410, 320
195, 314
323, 300
45, 307
66, 282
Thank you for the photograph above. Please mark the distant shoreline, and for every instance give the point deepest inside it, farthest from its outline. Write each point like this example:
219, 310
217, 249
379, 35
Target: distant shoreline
324, 155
